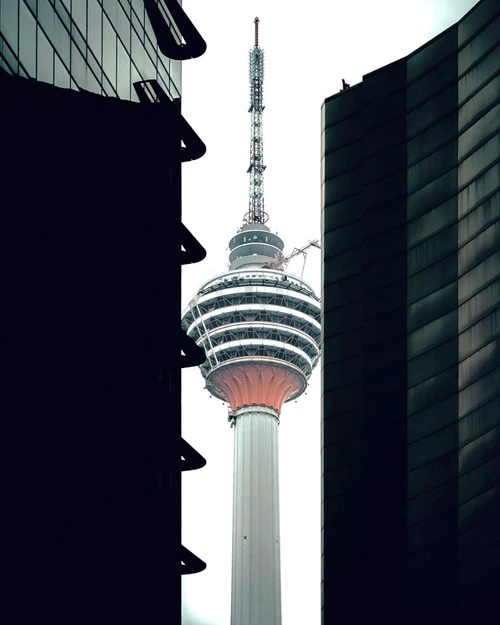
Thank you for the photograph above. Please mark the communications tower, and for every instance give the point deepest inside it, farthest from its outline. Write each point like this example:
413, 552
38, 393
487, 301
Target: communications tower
260, 328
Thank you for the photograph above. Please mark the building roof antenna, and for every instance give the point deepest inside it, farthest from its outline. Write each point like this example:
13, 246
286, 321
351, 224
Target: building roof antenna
256, 213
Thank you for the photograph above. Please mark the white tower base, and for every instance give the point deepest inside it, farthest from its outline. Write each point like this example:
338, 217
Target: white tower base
256, 576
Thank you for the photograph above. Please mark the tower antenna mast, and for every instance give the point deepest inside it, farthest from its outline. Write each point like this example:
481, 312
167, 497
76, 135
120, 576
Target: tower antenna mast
256, 213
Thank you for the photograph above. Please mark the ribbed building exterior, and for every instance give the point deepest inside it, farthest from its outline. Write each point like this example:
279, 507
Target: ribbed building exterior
411, 364
92, 145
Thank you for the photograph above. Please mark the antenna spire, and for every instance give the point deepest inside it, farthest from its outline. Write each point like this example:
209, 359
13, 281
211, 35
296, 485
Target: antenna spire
256, 213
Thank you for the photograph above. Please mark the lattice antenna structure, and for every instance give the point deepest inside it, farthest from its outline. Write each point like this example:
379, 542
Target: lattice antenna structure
256, 213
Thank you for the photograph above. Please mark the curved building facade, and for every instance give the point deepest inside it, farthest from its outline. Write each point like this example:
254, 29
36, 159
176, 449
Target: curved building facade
411, 365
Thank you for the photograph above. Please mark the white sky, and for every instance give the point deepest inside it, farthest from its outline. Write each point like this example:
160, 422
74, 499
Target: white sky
309, 47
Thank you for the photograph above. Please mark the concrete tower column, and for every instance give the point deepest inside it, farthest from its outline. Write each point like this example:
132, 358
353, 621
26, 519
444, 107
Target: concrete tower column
256, 585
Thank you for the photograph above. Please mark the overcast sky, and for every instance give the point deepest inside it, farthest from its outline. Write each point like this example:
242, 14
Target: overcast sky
309, 47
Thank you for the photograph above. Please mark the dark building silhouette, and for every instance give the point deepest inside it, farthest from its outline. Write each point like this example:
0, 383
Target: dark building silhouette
411, 358
91, 250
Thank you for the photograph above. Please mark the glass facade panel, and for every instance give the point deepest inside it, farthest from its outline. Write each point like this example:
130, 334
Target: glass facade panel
27, 40
479, 161
479, 218
478, 75
45, 60
9, 23
61, 74
83, 30
479, 248
479, 189
478, 277
94, 38
479, 132
109, 51
480, 102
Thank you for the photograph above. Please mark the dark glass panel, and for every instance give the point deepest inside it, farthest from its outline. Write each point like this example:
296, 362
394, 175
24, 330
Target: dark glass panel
341, 346
432, 194
477, 219
383, 299
439, 443
341, 400
431, 110
432, 362
488, 38
478, 75
432, 279
432, 502
480, 479
432, 250
478, 277
387, 270
345, 185
432, 138
346, 264
478, 538
432, 419
340, 481
337, 427
478, 306
431, 54
432, 166
480, 449
478, 393
480, 102
488, 182
479, 160
341, 319
341, 239
484, 505
433, 390
340, 160
432, 474
384, 163
338, 108
431, 222
475, 21
341, 454
432, 82
336, 214
479, 248
480, 421
434, 305
479, 131
481, 333
426, 533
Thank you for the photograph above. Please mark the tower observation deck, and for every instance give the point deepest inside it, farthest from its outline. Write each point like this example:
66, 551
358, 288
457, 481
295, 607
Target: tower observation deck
260, 329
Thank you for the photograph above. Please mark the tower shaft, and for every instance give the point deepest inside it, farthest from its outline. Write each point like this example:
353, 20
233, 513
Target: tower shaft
256, 213
256, 586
